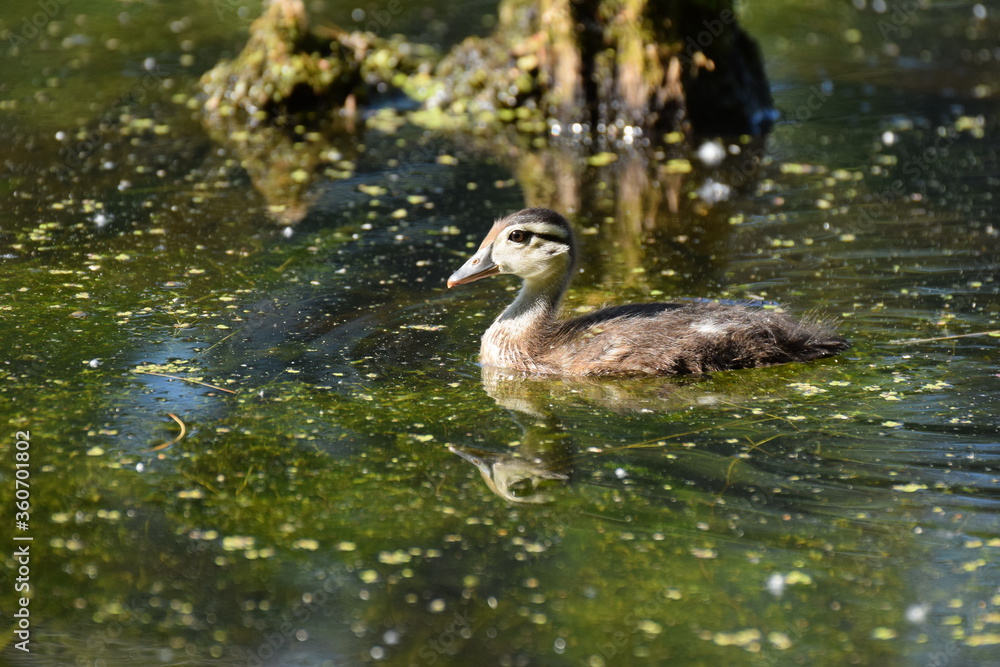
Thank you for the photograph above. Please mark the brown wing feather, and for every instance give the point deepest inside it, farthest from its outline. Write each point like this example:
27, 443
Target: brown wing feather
671, 338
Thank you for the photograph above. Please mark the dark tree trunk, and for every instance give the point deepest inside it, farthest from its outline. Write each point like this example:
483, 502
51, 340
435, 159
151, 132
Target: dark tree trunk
656, 65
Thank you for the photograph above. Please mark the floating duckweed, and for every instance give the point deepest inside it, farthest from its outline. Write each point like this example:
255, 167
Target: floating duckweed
972, 566
779, 640
796, 168
601, 159
747, 639
204, 535
883, 633
985, 639
372, 190
678, 166
807, 389
963, 123
306, 544
650, 627
398, 557
237, 542
798, 577
254, 554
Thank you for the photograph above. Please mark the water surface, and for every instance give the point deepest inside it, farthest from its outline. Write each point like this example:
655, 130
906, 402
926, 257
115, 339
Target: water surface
351, 489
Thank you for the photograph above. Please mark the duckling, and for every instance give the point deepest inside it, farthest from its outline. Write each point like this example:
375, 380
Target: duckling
537, 245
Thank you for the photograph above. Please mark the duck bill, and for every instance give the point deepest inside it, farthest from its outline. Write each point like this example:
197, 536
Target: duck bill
478, 266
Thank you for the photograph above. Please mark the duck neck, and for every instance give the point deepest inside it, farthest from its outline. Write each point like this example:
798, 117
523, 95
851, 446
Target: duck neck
536, 306
517, 337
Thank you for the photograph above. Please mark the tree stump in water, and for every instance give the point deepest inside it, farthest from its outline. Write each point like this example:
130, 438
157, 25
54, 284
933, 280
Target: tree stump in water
660, 66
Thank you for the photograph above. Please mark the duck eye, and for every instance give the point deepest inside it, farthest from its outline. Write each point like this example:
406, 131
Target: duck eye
518, 236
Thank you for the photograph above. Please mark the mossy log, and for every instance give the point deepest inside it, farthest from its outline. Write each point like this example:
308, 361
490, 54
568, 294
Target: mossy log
659, 66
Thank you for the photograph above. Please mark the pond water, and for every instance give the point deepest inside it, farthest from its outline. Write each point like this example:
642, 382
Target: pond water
259, 445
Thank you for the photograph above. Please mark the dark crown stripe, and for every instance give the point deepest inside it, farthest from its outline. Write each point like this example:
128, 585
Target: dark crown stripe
552, 237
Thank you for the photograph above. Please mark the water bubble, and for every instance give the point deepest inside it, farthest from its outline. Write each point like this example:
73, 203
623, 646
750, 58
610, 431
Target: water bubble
917, 613
776, 584
711, 153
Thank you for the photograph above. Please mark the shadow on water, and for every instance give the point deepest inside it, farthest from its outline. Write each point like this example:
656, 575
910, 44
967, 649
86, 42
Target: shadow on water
352, 487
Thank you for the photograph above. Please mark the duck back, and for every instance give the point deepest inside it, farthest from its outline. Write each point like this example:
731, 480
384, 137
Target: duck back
669, 339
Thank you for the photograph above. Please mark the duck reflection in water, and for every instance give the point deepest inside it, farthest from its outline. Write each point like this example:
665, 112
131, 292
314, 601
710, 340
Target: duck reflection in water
514, 478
